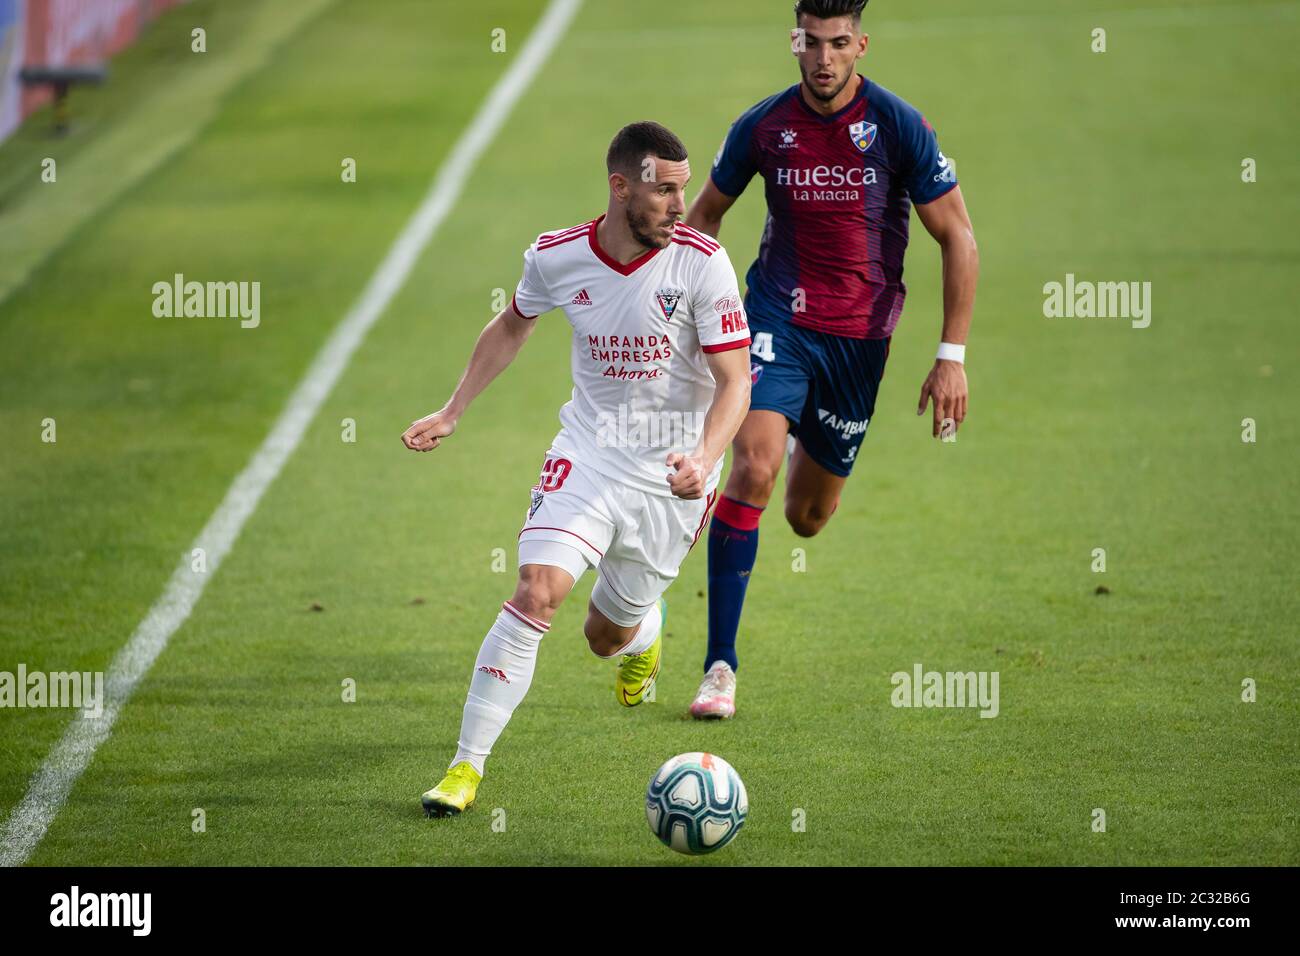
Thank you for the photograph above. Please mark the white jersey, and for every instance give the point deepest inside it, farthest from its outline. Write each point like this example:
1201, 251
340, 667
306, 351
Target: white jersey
641, 383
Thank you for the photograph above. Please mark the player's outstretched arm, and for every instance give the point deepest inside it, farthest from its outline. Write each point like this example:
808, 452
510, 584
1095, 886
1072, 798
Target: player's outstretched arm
947, 220
730, 404
705, 214
497, 346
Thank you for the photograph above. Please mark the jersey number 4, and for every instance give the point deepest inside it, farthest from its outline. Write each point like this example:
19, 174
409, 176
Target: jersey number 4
762, 346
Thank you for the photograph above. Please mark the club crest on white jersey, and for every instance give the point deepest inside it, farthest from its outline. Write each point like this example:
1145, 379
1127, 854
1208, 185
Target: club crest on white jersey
668, 299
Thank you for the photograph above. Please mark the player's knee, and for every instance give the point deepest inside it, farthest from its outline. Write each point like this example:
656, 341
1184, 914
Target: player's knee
807, 518
537, 595
752, 478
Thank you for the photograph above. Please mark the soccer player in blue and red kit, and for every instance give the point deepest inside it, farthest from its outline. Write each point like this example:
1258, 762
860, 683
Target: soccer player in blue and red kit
843, 161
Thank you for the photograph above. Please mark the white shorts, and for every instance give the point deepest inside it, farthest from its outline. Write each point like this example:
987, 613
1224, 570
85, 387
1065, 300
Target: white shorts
636, 540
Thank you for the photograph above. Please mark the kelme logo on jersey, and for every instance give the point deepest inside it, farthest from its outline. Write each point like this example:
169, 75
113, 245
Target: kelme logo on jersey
668, 299
863, 134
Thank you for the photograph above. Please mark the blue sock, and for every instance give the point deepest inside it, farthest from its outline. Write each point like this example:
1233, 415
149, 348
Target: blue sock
733, 547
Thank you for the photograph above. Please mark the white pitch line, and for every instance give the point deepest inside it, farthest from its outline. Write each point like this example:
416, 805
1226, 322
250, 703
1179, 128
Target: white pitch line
52, 783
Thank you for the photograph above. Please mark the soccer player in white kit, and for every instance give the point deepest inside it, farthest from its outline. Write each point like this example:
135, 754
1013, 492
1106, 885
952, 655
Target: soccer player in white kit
661, 376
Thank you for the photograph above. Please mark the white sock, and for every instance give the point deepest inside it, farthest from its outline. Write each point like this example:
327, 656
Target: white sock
644, 637
502, 673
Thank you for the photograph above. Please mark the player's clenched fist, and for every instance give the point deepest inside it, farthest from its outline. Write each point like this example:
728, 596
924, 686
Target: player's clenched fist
689, 476
427, 433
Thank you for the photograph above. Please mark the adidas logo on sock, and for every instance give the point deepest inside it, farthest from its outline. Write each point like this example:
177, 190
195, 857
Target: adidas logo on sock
494, 672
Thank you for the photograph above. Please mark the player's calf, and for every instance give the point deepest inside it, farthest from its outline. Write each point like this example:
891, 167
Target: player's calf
604, 637
807, 518
812, 493
631, 633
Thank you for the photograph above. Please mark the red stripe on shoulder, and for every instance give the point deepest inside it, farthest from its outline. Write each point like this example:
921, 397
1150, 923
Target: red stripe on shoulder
727, 346
565, 234
682, 241
552, 243
703, 239
700, 237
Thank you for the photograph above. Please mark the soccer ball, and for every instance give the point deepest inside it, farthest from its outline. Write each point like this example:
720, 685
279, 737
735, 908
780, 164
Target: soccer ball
696, 803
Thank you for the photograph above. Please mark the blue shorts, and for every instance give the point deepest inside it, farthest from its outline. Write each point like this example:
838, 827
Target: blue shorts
824, 384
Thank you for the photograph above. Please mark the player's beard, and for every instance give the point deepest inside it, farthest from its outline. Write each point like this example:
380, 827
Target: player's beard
641, 223
825, 97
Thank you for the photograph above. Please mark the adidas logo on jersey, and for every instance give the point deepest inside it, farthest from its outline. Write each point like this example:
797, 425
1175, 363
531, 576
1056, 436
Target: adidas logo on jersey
582, 299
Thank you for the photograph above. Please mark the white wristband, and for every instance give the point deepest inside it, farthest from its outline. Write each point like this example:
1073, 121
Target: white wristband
951, 353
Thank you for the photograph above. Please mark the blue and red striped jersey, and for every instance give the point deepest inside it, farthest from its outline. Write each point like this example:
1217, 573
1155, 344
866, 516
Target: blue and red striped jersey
839, 193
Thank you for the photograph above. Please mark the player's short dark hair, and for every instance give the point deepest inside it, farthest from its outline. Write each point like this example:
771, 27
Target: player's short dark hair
634, 142
826, 9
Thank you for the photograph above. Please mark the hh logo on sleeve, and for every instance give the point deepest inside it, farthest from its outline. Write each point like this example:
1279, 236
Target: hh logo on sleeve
732, 315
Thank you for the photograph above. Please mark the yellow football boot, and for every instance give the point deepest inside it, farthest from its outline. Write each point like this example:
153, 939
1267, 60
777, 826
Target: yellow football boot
637, 672
454, 794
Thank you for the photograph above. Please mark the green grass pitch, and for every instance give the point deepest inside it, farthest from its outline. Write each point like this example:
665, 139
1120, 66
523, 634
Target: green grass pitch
972, 555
